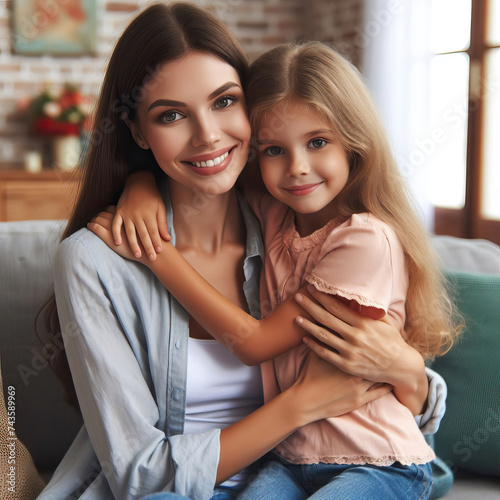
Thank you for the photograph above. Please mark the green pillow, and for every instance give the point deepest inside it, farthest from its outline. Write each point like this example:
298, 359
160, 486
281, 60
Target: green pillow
469, 435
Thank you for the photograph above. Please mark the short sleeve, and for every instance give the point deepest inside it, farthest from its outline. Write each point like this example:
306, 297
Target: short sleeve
358, 267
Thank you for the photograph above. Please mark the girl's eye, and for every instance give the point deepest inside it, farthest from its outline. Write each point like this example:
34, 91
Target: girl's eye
273, 151
224, 102
170, 117
317, 143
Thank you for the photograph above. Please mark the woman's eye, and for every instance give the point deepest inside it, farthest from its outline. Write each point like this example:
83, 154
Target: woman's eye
317, 143
273, 151
169, 117
224, 102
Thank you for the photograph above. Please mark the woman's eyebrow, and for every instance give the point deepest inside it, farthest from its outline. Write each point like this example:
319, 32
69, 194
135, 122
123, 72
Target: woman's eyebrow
215, 93
166, 102
222, 89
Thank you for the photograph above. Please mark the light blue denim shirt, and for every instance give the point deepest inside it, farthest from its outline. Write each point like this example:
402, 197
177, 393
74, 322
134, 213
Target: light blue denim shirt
126, 341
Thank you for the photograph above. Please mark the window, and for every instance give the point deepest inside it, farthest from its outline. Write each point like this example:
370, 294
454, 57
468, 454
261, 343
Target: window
464, 100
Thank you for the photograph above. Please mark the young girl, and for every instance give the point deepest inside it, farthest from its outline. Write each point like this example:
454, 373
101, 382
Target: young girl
340, 220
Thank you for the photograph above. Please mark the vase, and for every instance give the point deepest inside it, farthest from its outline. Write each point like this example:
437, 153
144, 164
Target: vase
66, 149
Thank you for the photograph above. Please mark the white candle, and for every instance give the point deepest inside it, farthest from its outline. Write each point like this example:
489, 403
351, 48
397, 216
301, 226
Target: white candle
33, 161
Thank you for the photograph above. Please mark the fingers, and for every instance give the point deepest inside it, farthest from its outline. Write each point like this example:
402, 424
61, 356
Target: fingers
162, 223
323, 335
132, 238
324, 316
331, 356
376, 392
144, 233
336, 307
116, 229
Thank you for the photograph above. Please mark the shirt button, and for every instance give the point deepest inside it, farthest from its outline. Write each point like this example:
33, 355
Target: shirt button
177, 344
176, 394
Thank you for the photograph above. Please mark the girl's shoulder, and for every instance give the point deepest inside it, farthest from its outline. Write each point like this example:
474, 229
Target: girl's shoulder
363, 223
365, 231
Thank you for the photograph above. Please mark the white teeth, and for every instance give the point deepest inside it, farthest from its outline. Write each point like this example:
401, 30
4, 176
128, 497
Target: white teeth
211, 163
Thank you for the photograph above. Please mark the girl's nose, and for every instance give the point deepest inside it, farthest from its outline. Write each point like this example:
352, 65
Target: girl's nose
206, 132
298, 166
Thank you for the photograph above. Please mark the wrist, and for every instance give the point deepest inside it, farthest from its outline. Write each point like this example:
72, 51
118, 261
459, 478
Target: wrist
406, 370
292, 410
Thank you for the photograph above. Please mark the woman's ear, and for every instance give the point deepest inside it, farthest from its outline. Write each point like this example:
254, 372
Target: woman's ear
134, 130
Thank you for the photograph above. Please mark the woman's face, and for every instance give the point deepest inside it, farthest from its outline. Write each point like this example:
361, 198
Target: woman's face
194, 119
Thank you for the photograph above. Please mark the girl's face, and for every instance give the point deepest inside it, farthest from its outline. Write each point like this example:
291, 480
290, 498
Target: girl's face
302, 163
194, 119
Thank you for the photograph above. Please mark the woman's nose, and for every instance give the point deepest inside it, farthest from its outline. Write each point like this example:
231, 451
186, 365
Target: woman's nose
206, 131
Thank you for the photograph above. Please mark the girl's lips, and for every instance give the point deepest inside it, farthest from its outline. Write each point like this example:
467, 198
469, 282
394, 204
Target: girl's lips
302, 190
216, 168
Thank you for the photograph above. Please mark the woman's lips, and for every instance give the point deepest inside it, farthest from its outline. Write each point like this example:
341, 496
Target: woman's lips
207, 163
302, 190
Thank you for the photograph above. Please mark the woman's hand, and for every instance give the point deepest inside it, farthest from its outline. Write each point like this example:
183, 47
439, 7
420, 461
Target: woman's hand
323, 391
101, 226
368, 348
142, 211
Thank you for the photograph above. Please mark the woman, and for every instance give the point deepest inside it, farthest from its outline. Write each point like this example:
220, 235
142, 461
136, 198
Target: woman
126, 338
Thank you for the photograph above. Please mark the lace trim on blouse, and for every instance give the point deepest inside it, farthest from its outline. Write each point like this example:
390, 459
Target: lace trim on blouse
323, 286
362, 459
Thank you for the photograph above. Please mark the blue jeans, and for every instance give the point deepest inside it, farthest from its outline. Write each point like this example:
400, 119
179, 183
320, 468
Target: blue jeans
220, 493
279, 479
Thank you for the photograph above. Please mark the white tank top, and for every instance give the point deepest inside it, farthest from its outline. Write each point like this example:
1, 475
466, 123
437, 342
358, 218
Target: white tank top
220, 390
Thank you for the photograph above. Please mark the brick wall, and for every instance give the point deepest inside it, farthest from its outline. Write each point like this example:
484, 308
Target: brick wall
258, 24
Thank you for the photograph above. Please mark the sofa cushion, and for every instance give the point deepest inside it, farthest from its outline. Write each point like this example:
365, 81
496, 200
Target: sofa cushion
469, 436
44, 422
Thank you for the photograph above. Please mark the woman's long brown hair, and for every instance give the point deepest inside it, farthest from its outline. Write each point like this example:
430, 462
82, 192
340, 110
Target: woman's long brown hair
161, 33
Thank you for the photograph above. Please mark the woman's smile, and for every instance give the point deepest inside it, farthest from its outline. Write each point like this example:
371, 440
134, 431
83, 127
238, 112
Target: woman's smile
196, 127
211, 163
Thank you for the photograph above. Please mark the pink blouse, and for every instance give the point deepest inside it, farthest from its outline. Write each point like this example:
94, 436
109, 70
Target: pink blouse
360, 259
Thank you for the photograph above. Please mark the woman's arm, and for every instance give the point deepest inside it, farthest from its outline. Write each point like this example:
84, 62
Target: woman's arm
123, 390
306, 401
364, 347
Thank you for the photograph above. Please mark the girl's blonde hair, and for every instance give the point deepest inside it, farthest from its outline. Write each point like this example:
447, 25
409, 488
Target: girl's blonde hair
317, 76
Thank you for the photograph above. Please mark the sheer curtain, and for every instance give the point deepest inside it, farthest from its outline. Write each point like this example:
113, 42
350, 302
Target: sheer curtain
396, 59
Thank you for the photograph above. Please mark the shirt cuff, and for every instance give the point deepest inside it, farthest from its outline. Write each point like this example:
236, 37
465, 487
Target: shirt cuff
430, 419
196, 458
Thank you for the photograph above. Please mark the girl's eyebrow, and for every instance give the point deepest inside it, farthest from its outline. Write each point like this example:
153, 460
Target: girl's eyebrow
307, 134
169, 102
318, 132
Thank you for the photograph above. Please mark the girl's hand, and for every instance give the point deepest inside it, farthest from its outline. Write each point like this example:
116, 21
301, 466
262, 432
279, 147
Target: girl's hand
371, 349
323, 391
101, 225
142, 211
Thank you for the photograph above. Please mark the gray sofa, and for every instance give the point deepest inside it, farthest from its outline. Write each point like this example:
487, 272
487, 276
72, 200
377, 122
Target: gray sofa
44, 422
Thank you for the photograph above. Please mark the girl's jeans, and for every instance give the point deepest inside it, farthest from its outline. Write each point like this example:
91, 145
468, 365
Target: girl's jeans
279, 479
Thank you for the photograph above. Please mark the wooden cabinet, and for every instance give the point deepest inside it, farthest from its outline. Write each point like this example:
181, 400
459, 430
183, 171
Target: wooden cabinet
48, 194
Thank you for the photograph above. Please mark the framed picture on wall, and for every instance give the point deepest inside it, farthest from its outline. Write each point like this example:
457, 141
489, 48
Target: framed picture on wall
54, 27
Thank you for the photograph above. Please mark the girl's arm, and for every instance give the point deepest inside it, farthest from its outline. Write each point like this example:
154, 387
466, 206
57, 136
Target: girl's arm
254, 341
251, 340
